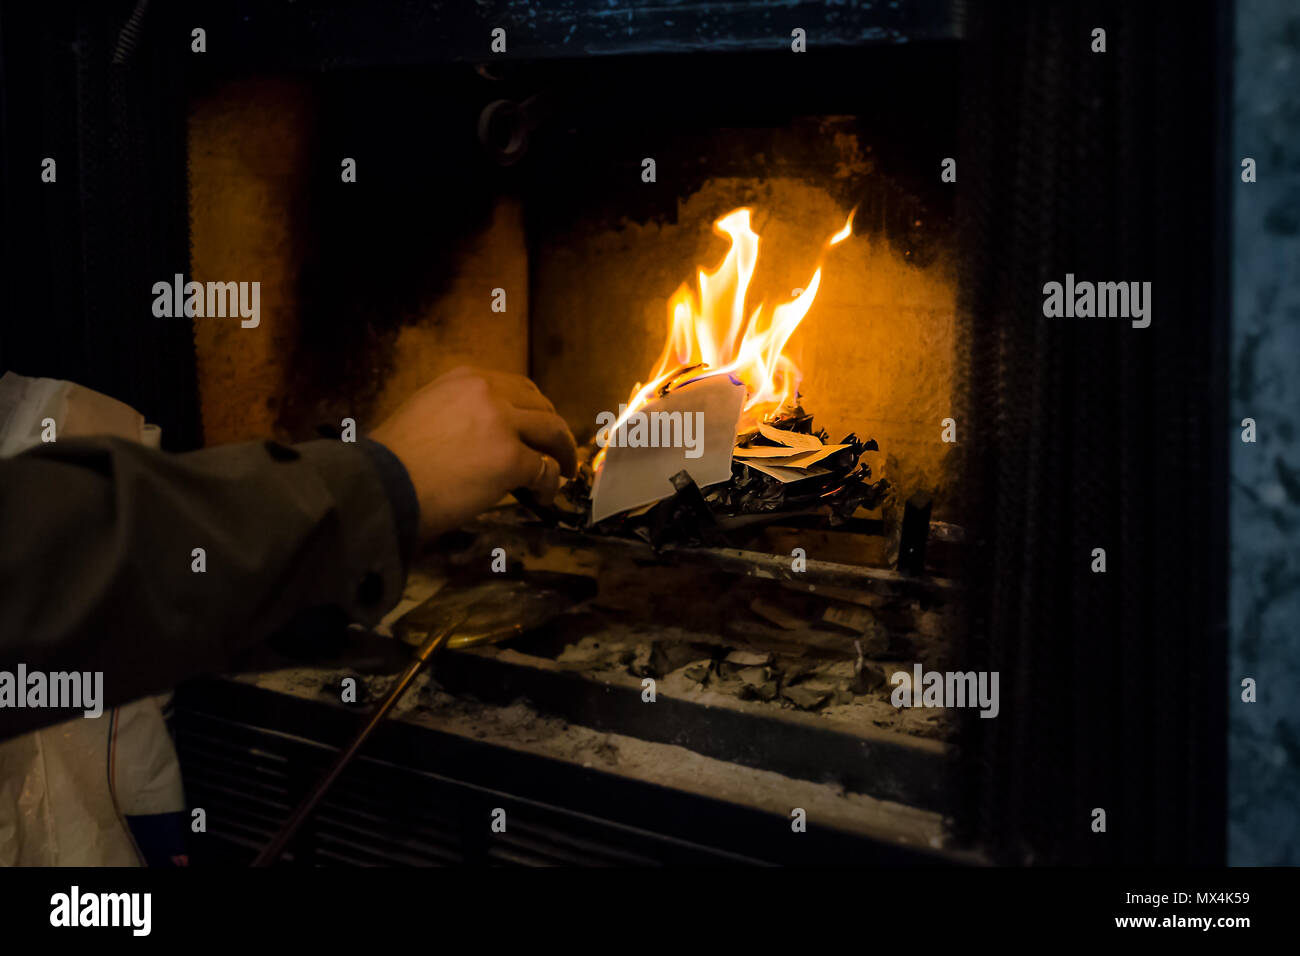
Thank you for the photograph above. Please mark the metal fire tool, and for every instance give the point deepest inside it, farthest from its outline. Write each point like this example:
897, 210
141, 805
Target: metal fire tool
482, 614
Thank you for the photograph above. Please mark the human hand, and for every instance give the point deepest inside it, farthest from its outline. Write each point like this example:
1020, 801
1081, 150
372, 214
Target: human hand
472, 435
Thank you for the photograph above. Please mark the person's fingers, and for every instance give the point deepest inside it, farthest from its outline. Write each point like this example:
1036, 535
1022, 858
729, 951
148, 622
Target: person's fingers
547, 432
518, 390
542, 475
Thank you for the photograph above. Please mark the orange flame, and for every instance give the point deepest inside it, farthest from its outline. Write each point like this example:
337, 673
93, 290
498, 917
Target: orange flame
710, 332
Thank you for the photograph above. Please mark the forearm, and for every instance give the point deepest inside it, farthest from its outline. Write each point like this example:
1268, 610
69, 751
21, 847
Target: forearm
152, 567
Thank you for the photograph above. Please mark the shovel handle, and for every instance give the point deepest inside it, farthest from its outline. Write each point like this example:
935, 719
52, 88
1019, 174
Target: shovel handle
273, 850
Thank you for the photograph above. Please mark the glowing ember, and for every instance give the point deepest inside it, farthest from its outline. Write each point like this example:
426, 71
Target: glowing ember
711, 333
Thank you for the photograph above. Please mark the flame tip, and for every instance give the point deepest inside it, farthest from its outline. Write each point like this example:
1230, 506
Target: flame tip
847, 230
710, 328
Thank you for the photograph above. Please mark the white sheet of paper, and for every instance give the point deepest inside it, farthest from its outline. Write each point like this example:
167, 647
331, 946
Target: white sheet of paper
786, 475
631, 477
768, 451
805, 459
784, 436
787, 457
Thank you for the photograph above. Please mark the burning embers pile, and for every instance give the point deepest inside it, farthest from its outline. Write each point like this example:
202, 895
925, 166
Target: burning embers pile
717, 440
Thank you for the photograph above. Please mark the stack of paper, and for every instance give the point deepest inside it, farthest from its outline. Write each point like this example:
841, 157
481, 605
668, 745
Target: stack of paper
794, 455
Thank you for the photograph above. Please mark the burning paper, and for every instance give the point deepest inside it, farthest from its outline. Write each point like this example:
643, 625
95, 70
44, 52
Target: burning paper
724, 358
783, 436
787, 475
692, 427
787, 457
794, 457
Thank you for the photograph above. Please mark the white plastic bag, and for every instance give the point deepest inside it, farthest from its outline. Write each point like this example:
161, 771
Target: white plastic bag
66, 791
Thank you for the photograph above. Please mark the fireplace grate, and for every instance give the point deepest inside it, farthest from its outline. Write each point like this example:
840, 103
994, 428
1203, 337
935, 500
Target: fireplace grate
247, 779
418, 796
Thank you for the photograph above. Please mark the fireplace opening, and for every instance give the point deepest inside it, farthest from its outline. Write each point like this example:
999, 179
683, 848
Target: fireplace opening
745, 225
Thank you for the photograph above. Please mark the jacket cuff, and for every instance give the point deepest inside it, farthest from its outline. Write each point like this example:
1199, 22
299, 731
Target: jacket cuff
372, 563
401, 498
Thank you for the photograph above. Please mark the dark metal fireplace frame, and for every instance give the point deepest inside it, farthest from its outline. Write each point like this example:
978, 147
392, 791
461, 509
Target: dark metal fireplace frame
1080, 436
